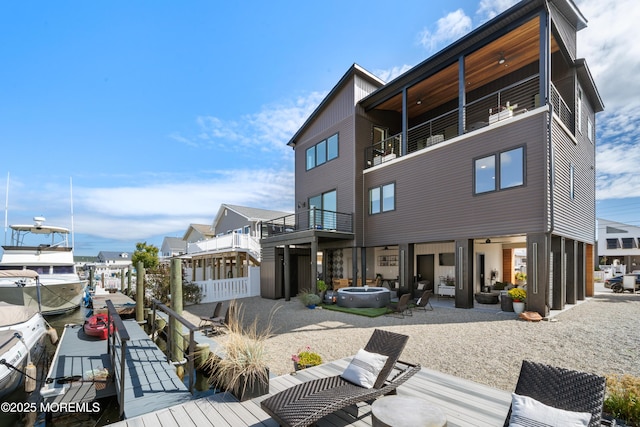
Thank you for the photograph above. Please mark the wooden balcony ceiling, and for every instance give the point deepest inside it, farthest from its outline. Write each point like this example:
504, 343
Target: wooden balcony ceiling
519, 47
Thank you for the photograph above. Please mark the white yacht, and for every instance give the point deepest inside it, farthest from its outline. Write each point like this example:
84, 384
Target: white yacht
22, 332
59, 288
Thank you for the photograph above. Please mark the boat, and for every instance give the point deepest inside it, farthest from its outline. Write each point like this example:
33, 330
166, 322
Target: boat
22, 332
45, 250
96, 326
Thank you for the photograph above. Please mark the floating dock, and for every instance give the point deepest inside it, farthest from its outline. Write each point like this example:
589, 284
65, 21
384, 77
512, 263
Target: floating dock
150, 383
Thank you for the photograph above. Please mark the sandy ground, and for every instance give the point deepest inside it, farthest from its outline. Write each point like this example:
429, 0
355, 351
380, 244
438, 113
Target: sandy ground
599, 335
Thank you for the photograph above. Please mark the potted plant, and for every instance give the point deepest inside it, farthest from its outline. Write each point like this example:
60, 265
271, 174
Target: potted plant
518, 295
321, 287
305, 359
243, 369
521, 278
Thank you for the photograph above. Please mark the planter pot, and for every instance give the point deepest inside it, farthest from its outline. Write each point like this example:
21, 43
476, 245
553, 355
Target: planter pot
298, 366
518, 307
506, 303
311, 306
247, 389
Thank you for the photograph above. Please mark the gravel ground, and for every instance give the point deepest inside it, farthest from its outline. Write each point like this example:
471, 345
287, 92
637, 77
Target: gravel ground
599, 335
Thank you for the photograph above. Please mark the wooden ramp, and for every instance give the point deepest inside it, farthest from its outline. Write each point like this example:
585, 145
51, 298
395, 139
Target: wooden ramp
465, 403
150, 383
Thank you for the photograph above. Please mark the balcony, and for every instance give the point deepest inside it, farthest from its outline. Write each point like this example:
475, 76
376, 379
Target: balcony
311, 219
479, 112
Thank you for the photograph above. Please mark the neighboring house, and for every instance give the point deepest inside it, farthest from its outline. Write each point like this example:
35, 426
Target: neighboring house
235, 245
172, 246
198, 232
441, 174
110, 264
619, 244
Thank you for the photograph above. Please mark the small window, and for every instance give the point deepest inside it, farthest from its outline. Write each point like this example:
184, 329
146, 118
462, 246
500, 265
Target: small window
628, 243
613, 244
311, 157
382, 199
485, 174
511, 168
579, 111
572, 193
589, 129
321, 152
332, 147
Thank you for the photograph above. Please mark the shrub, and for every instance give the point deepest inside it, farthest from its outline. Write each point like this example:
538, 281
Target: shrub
622, 399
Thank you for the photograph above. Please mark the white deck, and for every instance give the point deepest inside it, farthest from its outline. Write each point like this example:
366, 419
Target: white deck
465, 403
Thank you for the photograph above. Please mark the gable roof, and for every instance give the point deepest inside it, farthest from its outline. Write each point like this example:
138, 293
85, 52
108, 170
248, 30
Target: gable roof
252, 214
174, 243
353, 70
203, 229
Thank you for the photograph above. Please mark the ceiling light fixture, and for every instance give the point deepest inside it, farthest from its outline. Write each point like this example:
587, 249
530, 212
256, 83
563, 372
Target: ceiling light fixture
488, 241
502, 59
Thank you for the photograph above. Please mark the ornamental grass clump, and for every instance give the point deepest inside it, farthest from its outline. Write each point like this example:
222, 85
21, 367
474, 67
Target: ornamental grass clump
245, 353
517, 294
622, 398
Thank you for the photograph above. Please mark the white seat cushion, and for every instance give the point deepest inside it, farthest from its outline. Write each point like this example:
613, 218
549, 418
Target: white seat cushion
526, 412
364, 368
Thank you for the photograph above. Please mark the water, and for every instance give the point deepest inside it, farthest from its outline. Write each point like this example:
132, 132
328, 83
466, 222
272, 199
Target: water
109, 411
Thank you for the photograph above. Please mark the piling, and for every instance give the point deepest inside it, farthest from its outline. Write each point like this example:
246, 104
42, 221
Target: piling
122, 280
176, 305
140, 292
129, 280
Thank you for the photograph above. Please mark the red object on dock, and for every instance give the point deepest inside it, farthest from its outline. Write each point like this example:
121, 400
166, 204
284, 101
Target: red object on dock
96, 326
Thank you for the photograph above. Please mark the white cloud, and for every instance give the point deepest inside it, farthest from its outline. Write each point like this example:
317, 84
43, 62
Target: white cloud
488, 9
392, 73
448, 28
272, 126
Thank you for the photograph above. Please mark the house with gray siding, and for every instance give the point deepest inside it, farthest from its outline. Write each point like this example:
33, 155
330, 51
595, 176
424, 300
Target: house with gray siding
481, 152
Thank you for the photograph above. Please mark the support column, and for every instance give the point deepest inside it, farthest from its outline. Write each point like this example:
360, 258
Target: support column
287, 273
314, 264
538, 273
580, 271
122, 273
238, 265
589, 263
464, 273
559, 272
140, 292
129, 274
571, 296
363, 265
354, 267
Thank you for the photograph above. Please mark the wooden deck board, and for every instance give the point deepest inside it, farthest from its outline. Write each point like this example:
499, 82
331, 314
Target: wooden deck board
464, 402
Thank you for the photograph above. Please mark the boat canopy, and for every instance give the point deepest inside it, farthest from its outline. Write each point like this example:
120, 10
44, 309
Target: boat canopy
30, 274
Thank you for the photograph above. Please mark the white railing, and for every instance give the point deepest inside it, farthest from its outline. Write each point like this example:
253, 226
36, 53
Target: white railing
228, 289
225, 242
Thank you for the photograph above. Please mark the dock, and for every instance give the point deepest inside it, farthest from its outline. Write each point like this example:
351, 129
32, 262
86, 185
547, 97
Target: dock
150, 383
465, 403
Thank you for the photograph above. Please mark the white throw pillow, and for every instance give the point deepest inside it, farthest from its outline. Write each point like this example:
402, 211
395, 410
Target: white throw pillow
364, 368
421, 286
526, 411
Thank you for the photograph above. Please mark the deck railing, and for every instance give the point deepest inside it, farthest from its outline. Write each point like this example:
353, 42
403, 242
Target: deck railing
188, 353
231, 241
311, 219
117, 349
479, 112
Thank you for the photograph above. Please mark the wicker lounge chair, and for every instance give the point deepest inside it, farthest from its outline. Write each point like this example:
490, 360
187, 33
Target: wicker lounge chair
306, 403
401, 307
423, 301
562, 388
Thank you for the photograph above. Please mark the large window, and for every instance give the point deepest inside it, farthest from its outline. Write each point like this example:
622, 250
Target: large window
322, 211
499, 171
382, 199
322, 152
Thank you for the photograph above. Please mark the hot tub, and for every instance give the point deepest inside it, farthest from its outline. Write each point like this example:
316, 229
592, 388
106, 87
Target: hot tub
363, 297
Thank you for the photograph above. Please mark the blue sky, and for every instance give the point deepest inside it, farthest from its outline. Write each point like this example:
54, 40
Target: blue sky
160, 111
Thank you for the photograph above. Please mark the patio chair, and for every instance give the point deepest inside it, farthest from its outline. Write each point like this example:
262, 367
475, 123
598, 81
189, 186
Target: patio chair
206, 320
561, 388
401, 307
423, 301
306, 403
